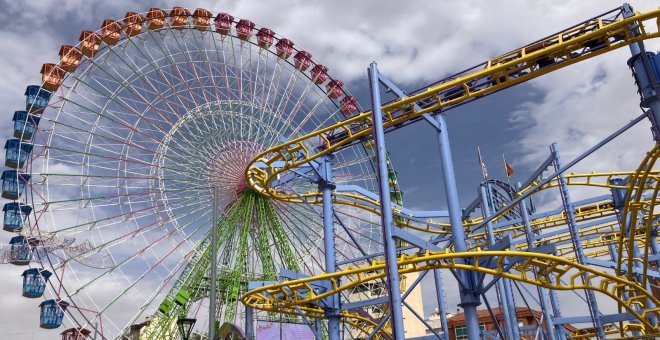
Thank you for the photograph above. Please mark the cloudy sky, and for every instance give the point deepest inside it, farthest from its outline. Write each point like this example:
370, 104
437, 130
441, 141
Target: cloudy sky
413, 45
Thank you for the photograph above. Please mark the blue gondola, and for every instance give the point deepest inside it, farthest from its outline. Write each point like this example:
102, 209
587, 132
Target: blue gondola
36, 98
20, 252
15, 216
13, 184
24, 124
34, 282
52, 313
17, 153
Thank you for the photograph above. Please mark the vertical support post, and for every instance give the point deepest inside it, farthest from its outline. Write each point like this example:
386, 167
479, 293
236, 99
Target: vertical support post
214, 265
249, 323
577, 241
391, 268
543, 294
317, 326
469, 297
504, 301
442, 306
326, 186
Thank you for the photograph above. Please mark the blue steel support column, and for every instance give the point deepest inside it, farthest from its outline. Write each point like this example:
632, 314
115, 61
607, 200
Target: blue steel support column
391, 268
326, 186
511, 333
543, 294
577, 241
647, 80
468, 295
648, 84
442, 306
249, 323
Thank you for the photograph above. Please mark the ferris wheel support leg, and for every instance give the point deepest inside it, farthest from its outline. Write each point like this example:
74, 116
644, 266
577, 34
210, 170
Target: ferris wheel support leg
506, 300
214, 265
542, 292
392, 268
469, 297
326, 186
577, 241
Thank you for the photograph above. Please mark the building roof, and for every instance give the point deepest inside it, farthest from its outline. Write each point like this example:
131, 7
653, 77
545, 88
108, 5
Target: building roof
456, 320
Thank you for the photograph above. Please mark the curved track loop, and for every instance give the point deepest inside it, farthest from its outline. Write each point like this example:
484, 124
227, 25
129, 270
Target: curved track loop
497, 72
638, 218
284, 296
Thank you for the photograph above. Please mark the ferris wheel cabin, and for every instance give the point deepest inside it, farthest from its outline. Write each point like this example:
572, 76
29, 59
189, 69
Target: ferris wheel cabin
284, 48
223, 23
179, 18
245, 29
36, 98
20, 252
52, 313
16, 153
133, 24
69, 58
265, 37
76, 334
34, 282
303, 60
15, 216
319, 74
51, 76
202, 19
90, 42
24, 124
156, 19
13, 184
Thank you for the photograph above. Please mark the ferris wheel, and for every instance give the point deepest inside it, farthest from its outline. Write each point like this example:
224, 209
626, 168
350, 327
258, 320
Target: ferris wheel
114, 162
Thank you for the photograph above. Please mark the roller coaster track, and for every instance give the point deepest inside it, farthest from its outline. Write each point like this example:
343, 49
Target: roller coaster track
287, 295
578, 43
582, 42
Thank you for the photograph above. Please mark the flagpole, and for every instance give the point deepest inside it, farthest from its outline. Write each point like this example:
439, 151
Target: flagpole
484, 172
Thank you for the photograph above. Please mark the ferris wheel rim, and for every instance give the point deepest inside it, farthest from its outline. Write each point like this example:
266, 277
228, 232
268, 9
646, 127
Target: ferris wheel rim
105, 49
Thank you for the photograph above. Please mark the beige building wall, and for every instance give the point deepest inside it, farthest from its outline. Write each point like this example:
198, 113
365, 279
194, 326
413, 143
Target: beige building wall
411, 324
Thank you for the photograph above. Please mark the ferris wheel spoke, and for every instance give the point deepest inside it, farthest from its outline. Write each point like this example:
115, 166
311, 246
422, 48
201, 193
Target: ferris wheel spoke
141, 252
301, 218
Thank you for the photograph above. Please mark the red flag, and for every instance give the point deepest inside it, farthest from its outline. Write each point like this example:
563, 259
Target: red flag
507, 168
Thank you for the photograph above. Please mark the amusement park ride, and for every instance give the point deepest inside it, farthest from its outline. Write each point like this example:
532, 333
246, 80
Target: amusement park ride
173, 156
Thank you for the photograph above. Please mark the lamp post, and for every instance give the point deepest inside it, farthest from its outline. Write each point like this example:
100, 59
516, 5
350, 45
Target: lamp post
185, 327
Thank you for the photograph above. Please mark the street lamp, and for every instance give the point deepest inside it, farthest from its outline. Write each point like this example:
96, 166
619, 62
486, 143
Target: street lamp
185, 327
